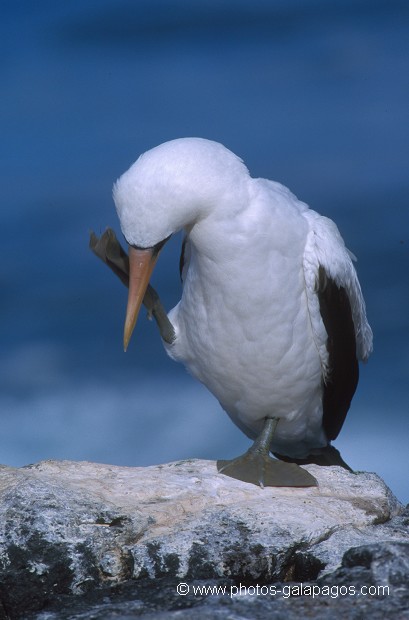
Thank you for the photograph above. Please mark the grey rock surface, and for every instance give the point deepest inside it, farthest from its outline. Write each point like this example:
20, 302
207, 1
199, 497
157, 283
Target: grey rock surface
85, 540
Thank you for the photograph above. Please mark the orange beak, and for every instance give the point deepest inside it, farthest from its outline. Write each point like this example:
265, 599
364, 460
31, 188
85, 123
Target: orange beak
141, 264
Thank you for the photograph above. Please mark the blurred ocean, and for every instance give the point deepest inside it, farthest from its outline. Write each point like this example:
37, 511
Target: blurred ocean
313, 94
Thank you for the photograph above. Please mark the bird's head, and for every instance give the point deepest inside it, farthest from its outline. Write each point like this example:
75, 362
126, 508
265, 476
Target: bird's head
172, 186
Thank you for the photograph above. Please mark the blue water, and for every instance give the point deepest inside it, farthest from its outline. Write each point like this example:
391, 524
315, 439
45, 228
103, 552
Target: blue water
313, 94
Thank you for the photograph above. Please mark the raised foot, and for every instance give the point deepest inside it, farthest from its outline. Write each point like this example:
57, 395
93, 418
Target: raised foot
264, 471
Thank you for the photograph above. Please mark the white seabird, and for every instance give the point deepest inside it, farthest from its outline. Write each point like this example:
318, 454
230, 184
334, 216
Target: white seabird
271, 319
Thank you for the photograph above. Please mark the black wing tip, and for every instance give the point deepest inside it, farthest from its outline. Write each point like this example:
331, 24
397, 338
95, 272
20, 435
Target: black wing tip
339, 387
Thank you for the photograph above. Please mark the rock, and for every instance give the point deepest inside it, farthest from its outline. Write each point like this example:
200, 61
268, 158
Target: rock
116, 541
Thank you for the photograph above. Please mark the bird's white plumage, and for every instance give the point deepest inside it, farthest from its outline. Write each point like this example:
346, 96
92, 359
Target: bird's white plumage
325, 246
248, 324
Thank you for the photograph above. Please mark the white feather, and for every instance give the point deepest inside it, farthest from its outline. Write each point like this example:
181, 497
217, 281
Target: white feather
326, 247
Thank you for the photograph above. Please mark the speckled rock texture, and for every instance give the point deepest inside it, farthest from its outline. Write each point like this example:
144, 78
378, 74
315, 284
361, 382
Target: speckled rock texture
85, 540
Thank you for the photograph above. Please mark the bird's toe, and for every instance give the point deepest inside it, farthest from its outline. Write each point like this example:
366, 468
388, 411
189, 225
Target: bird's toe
264, 471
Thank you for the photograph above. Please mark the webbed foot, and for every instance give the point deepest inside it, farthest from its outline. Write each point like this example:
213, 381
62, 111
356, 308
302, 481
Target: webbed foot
326, 456
257, 467
262, 470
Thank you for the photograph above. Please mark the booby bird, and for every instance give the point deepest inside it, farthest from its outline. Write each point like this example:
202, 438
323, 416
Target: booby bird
271, 319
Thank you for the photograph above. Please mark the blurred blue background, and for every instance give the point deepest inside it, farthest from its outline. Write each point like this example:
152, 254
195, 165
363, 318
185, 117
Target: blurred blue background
313, 94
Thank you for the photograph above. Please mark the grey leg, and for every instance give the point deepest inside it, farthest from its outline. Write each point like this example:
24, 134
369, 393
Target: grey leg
110, 251
155, 309
257, 467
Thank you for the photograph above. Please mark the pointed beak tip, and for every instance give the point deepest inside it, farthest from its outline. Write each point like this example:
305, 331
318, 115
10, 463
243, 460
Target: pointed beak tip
127, 336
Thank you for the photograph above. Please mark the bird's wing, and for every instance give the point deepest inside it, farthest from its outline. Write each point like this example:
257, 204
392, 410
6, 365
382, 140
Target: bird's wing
338, 317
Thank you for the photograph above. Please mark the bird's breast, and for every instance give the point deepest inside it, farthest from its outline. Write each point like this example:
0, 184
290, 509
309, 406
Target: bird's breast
243, 330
